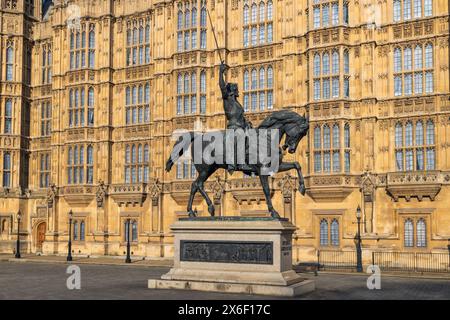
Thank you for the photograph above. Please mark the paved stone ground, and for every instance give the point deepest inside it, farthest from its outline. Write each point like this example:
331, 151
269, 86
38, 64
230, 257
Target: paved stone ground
30, 280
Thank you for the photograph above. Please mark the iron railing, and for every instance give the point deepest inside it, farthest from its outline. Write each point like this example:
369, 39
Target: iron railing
412, 261
334, 259
387, 261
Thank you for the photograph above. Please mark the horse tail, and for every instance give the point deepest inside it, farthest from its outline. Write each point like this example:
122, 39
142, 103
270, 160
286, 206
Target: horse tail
178, 150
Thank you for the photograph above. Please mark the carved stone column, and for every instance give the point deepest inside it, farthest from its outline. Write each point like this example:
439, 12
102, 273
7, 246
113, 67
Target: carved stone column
102, 214
156, 217
218, 189
368, 199
52, 217
287, 186
100, 197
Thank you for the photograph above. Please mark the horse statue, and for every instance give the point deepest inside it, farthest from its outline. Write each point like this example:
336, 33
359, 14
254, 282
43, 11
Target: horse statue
289, 125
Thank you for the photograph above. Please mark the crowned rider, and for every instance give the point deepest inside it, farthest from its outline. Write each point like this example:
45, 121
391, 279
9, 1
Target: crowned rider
233, 112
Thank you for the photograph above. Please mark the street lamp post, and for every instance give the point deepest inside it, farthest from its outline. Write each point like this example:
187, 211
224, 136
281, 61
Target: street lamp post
19, 217
69, 250
359, 267
128, 258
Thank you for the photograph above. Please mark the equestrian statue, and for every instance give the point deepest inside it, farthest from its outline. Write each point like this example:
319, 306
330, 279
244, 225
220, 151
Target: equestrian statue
287, 124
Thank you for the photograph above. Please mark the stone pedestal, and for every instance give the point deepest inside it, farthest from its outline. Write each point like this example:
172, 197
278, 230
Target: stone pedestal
234, 254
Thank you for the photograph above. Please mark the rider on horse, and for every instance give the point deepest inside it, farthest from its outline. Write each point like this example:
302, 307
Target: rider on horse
233, 112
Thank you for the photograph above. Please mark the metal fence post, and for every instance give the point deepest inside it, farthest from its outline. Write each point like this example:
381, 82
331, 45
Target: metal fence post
318, 260
373, 258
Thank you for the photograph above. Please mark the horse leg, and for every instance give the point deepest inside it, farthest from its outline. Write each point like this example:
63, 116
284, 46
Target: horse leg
202, 177
194, 189
286, 166
265, 185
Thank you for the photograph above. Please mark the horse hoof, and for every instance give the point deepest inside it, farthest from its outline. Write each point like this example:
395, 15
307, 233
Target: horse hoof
192, 214
274, 214
211, 211
302, 190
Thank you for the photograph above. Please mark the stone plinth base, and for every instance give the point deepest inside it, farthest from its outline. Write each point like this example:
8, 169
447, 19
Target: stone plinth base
234, 254
293, 290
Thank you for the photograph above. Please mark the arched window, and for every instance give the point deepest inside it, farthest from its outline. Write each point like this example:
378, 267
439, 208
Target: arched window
335, 63
407, 57
429, 56
8, 116
419, 142
90, 165
82, 231
186, 83
194, 82
336, 136
324, 232
317, 138
421, 233
399, 145
408, 134
91, 49
9, 63
347, 147
180, 19
246, 80
397, 60
91, 106
81, 171
326, 137
254, 79
134, 231
409, 233
346, 62
419, 133
146, 163
398, 135
316, 65
262, 82
254, 13
418, 57
431, 152
6, 170
126, 222
269, 11
347, 135
203, 92
334, 233
262, 11
430, 132
75, 230
187, 19
203, 17
325, 64
269, 77
245, 17
194, 17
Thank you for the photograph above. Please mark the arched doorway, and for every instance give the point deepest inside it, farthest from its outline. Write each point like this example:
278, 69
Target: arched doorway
40, 236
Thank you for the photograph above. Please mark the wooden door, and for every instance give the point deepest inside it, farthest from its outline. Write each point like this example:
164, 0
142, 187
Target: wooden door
40, 236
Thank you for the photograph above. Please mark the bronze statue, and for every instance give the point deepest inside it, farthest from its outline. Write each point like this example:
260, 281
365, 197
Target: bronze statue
234, 112
278, 125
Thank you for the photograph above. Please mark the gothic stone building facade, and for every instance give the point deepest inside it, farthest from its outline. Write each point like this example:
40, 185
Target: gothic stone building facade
91, 92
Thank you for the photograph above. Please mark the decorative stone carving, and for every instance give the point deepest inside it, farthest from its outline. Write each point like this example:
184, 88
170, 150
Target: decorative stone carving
101, 194
329, 188
51, 195
155, 192
413, 185
129, 194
